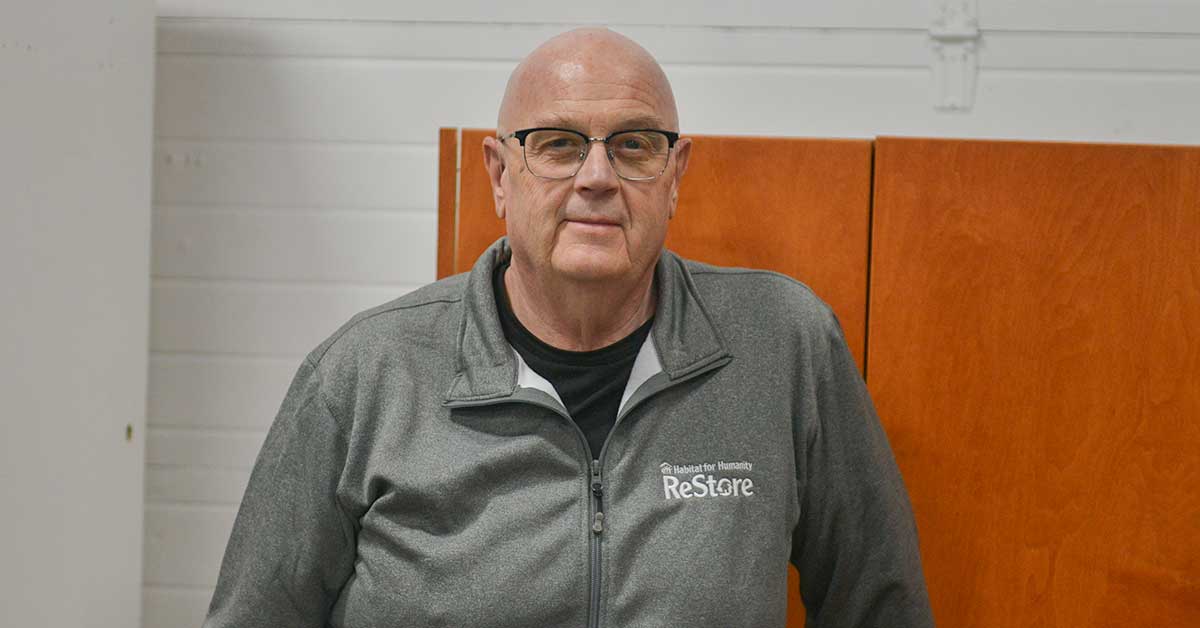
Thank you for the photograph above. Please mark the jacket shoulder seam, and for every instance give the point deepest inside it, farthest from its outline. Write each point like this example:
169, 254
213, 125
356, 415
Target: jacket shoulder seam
355, 322
709, 270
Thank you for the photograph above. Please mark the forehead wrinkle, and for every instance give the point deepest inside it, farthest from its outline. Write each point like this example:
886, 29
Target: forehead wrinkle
640, 105
575, 120
629, 109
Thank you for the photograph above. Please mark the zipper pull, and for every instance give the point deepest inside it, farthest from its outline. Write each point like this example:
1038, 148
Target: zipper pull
598, 493
597, 485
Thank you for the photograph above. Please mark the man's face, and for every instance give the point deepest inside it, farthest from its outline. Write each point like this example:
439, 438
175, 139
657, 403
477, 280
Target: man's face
594, 226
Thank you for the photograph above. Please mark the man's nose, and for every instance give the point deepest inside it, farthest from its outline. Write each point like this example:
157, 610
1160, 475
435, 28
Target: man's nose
597, 172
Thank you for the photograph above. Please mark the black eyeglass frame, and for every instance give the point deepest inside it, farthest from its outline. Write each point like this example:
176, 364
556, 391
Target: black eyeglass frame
671, 136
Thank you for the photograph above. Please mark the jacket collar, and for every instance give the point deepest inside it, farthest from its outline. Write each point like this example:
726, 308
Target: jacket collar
684, 338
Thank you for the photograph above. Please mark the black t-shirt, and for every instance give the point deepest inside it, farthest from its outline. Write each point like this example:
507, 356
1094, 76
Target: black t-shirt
590, 383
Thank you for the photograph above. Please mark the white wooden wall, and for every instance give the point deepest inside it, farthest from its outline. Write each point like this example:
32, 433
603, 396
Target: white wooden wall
76, 102
296, 166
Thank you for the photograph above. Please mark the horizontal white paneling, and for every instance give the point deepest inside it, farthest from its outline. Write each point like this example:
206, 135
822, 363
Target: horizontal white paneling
365, 100
363, 118
355, 246
254, 318
822, 101
185, 544
1100, 106
1148, 16
207, 447
217, 391
763, 99
672, 45
1090, 51
798, 13
795, 101
1092, 106
295, 174
1127, 16
172, 483
171, 607
488, 42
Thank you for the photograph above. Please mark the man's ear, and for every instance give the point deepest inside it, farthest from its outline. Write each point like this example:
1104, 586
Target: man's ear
493, 162
683, 150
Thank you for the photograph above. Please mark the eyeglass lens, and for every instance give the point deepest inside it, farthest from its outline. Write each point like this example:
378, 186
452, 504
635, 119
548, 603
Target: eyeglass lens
559, 154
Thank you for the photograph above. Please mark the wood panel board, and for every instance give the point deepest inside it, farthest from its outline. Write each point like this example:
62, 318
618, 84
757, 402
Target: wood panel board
793, 205
1034, 354
477, 226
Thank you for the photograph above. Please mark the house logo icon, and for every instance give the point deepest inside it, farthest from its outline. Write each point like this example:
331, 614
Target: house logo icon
665, 468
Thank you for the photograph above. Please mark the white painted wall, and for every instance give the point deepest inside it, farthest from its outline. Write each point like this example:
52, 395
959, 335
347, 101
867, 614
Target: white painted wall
75, 153
296, 166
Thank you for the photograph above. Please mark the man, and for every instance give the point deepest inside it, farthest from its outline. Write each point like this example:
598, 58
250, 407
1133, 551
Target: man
584, 430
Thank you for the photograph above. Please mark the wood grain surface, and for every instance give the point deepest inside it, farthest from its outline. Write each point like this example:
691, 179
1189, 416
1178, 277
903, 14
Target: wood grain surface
1035, 356
478, 226
793, 205
447, 200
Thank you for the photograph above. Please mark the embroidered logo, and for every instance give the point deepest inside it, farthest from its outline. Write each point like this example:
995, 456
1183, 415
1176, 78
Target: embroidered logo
707, 479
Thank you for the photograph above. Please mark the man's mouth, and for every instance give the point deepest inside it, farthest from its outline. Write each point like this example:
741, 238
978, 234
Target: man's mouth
594, 227
598, 222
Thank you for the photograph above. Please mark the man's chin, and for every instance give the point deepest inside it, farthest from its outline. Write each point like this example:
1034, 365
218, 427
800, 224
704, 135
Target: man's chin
592, 265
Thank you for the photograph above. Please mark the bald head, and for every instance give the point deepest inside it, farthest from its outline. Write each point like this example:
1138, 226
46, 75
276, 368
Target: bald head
598, 232
581, 65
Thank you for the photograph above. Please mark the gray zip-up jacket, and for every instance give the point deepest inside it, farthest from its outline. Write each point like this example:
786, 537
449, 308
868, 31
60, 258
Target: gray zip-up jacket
418, 474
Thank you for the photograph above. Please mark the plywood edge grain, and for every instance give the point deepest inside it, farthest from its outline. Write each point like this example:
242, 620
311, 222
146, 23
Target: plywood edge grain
447, 200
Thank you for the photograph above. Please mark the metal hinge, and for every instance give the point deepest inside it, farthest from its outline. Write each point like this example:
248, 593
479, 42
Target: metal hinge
955, 36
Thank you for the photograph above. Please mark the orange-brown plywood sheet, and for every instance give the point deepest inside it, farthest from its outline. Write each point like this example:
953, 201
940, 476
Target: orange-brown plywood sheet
797, 206
478, 225
1035, 356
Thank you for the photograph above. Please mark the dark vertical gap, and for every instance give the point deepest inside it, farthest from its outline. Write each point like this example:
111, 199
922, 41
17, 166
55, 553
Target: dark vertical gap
870, 248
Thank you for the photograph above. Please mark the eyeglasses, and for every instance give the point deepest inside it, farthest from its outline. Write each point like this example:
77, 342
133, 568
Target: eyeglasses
636, 154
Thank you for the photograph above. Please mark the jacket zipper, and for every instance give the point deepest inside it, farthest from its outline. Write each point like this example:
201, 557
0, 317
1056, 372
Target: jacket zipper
595, 479
597, 530
597, 487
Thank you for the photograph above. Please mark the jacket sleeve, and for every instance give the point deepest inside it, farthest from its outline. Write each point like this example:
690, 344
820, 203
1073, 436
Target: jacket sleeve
855, 545
292, 546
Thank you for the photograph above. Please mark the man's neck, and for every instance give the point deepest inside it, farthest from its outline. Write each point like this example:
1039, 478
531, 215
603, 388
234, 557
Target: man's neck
579, 316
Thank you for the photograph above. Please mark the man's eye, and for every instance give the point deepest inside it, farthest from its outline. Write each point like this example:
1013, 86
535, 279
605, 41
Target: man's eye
631, 144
